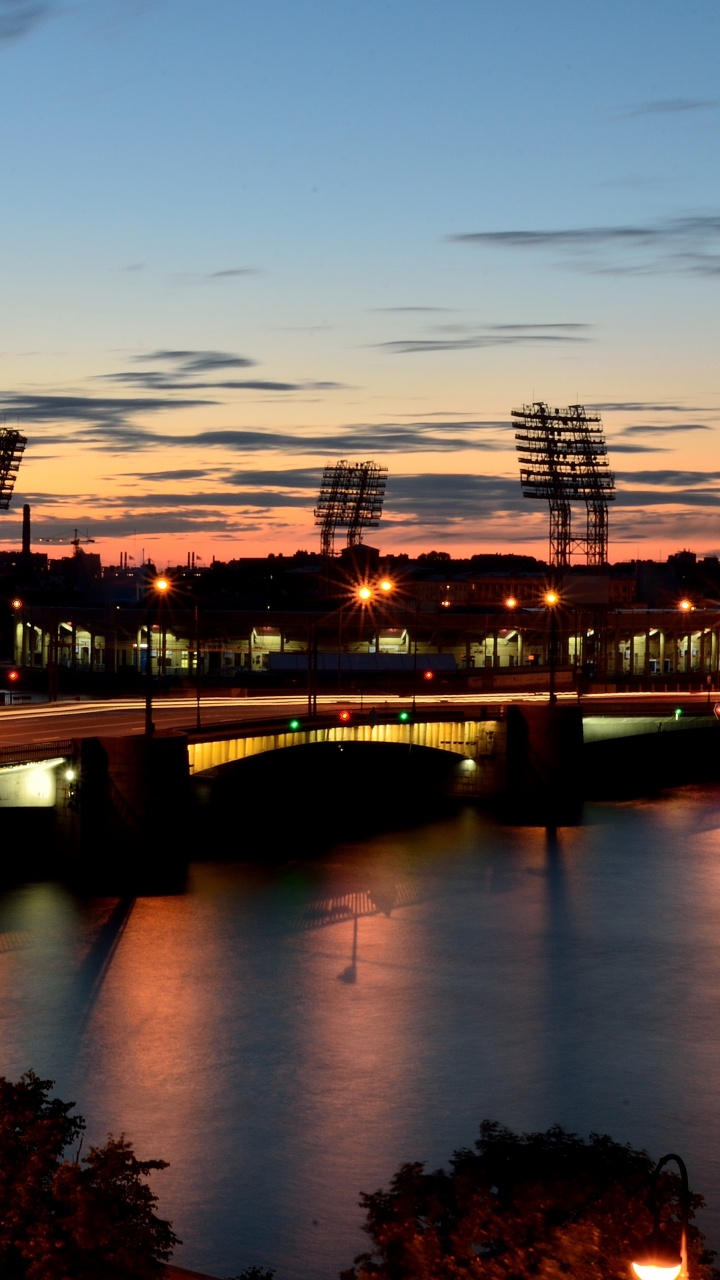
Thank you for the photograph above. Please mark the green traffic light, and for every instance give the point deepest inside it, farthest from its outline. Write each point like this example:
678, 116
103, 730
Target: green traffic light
294, 724
678, 712
404, 716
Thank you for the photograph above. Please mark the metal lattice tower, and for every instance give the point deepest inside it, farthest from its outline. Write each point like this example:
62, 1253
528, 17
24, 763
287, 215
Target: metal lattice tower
351, 498
12, 448
563, 459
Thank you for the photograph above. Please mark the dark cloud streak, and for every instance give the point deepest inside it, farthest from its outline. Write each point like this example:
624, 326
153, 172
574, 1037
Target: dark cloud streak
688, 244
18, 17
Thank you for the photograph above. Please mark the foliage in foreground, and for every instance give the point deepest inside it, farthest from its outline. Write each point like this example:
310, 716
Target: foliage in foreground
544, 1205
72, 1219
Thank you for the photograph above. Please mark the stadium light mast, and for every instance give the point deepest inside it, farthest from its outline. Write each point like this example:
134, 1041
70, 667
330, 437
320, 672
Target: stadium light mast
563, 459
12, 448
351, 497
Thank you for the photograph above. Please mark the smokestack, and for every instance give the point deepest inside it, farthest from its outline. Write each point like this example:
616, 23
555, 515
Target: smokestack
26, 530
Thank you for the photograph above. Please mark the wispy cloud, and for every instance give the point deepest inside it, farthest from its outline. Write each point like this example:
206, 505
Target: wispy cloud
665, 429
229, 272
674, 478
18, 17
114, 412
198, 279
111, 424
690, 245
497, 335
183, 367
643, 406
615, 446
421, 310
192, 362
669, 106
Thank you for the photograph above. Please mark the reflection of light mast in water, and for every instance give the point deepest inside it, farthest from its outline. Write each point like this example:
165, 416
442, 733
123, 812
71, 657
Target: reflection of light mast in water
381, 899
350, 974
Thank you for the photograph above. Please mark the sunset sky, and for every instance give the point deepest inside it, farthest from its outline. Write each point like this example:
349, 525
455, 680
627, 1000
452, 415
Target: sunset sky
245, 238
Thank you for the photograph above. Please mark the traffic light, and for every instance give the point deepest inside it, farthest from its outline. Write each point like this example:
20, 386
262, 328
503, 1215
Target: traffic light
403, 716
428, 675
345, 716
9, 677
294, 725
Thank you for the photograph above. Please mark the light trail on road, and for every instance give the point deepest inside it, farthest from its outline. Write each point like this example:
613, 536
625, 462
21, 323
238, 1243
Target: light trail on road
114, 717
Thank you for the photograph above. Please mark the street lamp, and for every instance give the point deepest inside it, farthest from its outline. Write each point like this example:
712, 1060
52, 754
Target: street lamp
656, 1257
155, 589
552, 600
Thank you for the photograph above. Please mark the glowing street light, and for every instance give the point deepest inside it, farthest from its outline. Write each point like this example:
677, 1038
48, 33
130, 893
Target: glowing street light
552, 599
511, 602
155, 590
364, 594
386, 585
686, 605
656, 1257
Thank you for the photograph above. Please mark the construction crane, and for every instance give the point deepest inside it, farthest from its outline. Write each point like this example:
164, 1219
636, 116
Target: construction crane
76, 542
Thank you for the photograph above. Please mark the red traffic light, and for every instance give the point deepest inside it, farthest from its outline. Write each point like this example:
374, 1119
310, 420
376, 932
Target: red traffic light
13, 675
345, 716
428, 675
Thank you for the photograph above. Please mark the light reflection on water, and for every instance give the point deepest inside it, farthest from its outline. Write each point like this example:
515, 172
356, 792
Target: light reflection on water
287, 1038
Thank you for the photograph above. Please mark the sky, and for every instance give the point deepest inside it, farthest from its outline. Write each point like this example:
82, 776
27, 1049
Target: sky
243, 239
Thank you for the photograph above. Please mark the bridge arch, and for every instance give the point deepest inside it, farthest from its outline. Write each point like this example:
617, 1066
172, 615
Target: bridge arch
466, 739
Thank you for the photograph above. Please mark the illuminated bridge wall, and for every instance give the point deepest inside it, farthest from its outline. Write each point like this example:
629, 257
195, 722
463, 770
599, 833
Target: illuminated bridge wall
31, 784
475, 743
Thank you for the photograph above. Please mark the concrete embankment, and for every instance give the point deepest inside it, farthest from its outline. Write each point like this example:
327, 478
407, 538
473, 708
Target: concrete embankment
624, 757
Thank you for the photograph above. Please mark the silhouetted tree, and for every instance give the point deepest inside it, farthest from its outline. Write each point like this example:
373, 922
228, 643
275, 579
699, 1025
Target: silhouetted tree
540, 1205
72, 1219
254, 1273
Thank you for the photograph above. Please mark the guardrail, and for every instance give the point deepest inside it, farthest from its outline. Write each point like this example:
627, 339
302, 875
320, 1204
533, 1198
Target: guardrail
26, 752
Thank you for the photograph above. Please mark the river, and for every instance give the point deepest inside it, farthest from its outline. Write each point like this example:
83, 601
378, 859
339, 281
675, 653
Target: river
497, 973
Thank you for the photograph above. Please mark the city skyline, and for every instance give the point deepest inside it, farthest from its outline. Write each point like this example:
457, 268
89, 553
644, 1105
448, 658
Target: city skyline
243, 241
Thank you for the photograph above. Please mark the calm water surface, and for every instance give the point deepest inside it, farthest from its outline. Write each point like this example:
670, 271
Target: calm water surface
496, 974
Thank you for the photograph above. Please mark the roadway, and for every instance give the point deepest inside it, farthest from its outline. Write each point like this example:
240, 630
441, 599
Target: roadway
119, 717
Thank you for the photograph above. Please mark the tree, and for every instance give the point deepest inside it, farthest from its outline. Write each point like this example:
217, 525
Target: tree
72, 1219
543, 1205
254, 1273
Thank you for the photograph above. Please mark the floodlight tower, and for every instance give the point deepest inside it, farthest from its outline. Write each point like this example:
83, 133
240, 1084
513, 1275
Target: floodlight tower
12, 448
563, 459
351, 497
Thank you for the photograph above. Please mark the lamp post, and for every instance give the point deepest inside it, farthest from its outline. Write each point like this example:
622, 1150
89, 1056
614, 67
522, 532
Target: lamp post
155, 589
198, 724
656, 1257
552, 600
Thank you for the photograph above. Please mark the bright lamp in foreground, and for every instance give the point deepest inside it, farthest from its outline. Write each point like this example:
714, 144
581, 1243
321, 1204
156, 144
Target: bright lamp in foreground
657, 1258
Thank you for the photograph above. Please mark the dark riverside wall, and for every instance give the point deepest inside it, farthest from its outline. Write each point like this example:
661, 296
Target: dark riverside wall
642, 764
129, 819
